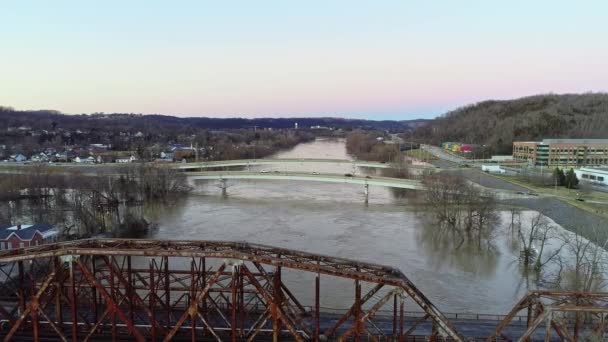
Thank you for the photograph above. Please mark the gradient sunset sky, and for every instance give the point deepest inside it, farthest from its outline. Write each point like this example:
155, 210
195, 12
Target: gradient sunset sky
255, 58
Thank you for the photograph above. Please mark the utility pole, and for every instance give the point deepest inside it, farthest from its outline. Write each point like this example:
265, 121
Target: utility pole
255, 140
196, 153
555, 176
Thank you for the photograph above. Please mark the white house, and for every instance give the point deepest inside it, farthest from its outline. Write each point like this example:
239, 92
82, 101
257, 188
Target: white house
19, 158
592, 175
39, 157
125, 160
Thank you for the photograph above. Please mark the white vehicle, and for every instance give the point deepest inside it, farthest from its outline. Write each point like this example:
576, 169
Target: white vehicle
315, 173
264, 171
493, 169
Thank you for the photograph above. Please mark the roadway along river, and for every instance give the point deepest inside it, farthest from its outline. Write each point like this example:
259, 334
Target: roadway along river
332, 219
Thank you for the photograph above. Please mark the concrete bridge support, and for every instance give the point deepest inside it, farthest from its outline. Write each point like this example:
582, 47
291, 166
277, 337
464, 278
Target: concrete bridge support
366, 191
224, 187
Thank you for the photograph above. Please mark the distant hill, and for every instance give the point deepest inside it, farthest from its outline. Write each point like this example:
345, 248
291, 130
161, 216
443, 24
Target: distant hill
498, 123
48, 119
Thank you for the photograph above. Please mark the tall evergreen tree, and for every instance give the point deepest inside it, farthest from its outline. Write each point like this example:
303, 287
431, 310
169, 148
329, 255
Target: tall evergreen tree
559, 177
571, 179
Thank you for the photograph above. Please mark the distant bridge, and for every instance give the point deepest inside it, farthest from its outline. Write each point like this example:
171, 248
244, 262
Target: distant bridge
366, 181
317, 177
254, 162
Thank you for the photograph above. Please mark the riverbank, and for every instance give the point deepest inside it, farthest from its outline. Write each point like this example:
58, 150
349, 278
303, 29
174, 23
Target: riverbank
569, 213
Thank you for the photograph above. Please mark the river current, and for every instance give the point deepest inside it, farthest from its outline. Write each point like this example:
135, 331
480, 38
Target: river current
332, 219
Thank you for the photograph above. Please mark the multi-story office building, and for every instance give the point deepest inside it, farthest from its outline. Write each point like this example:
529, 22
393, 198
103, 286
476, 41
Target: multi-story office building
562, 152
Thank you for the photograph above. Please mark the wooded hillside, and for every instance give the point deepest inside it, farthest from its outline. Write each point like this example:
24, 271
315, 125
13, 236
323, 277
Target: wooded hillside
49, 119
498, 123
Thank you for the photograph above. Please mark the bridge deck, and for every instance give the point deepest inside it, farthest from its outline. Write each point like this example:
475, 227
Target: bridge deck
253, 162
317, 177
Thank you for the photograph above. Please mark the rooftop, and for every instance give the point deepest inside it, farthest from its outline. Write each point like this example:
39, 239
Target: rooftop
26, 231
566, 141
575, 141
603, 170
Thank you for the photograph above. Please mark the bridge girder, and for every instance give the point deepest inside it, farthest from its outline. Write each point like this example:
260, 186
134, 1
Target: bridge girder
191, 289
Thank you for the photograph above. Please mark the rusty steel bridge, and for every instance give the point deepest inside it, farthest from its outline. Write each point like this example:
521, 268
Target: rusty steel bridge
119, 289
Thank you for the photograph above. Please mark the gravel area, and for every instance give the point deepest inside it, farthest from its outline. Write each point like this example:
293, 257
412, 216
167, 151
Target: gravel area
588, 225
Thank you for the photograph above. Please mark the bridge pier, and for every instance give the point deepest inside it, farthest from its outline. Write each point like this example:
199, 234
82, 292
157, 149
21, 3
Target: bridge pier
224, 187
366, 191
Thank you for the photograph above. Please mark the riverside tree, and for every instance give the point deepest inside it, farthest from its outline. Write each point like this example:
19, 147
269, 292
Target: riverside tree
464, 210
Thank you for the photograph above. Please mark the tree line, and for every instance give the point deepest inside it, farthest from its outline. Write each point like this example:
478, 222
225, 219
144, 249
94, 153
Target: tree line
84, 205
497, 124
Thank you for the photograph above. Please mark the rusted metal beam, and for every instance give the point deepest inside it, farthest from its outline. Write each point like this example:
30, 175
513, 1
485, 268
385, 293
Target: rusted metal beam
522, 304
110, 302
193, 308
537, 321
132, 295
331, 330
317, 307
130, 290
31, 307
278, 311
73, 303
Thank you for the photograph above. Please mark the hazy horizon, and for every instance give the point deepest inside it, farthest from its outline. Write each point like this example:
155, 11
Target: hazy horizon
389, 60
262, 116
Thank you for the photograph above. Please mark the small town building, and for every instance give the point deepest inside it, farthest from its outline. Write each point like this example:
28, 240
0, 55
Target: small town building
562, 152
458, 147
21, 236
19, 158
85, 160
125, 160
166, 155
597, 176
40, 158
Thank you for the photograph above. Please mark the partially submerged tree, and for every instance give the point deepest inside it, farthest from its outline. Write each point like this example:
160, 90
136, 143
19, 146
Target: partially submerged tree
585, 269
466, 211
533, 239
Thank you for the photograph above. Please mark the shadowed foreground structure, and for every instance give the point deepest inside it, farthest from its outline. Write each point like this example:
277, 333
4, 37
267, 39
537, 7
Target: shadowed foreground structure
113, 289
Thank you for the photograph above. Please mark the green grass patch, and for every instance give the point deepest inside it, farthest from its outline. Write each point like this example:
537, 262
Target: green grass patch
420, 154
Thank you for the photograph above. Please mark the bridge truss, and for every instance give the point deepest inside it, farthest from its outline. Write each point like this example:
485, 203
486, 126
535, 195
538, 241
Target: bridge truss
200, 290
569, 316
116, 289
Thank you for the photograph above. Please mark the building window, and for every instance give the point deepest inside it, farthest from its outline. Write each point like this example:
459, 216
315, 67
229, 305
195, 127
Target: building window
592, 177
21, 244
586, 176
601, 179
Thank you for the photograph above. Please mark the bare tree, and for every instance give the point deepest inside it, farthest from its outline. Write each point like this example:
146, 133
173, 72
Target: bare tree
534, 240
586, 268
469, 213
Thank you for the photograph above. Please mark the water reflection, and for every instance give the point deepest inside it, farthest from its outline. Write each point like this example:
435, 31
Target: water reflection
444, 252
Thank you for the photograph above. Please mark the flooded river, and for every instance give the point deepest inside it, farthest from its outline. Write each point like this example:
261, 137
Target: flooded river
332, 219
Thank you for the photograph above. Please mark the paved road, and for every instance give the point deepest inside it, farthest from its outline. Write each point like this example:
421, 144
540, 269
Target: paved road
441, 154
